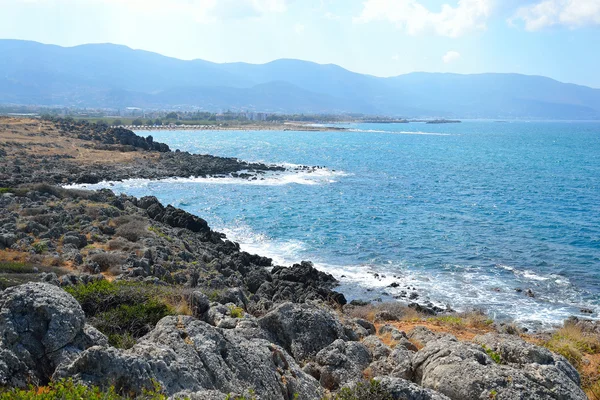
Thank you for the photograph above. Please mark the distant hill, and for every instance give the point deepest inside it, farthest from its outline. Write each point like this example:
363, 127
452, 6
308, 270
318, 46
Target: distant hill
107, 75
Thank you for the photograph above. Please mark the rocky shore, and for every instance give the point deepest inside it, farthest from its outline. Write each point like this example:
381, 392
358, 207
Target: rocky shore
113, 291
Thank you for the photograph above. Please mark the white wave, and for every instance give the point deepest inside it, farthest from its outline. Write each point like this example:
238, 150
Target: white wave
400, 132
461, 288
318, 176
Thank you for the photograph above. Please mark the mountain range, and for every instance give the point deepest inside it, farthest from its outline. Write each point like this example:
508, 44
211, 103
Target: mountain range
115, 76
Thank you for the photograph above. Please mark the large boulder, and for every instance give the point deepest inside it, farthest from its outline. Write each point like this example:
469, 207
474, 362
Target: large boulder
183, 354
41, 326
302, 329
401, 389
464, 371
341, 363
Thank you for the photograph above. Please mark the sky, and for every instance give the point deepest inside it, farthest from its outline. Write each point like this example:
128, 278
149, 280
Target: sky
555, 38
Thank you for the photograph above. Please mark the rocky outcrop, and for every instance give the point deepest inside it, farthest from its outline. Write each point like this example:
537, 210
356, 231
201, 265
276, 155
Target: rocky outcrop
302, 329
185, 355
464, 371
41, 326
341, 363
401, 389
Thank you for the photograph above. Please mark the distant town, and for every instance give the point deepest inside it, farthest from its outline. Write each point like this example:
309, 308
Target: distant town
139, 117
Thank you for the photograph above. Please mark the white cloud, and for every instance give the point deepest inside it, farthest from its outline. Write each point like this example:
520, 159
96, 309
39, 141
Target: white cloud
299, 28
467, 16
451, 57
396, 57
570, 13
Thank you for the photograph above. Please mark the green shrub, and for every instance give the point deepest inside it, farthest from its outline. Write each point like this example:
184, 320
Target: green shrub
9, 267
493, 355
5, 190
69, 390
236, 312
371, 390
134, 320
40, 247
124, 311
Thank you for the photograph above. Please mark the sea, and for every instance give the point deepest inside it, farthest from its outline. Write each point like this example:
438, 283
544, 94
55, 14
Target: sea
502, 217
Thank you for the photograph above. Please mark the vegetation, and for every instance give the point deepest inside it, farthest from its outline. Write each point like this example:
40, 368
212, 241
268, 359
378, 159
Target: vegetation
13, 267
493, 355
69, 390
125, 311
236, 312
571, 342
582, 349
132, 231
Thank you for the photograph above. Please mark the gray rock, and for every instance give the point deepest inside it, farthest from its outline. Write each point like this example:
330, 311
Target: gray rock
401, 389
423, 335
464, 371
377, 348
42, 326
341, 363
397, 364
199, 304
184, 354
302, 329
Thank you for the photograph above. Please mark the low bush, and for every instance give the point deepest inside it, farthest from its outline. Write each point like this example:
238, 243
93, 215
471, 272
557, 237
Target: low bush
107, 261
125, 311
133, 230
14, 267
69, 390
236, 312
572, 342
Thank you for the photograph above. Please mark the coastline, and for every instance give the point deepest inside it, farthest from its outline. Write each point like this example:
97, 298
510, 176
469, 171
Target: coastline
89, 243
288, 126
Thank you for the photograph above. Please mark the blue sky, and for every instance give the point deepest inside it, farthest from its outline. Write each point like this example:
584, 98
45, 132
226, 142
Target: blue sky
555, 38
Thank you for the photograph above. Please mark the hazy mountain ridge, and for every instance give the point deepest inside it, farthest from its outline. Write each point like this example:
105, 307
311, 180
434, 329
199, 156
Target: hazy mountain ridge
106, 75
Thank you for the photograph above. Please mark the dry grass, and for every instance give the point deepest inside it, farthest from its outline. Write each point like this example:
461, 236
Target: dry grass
43, 138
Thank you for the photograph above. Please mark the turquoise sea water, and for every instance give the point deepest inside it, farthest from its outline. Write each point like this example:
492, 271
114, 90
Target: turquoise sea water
463, 213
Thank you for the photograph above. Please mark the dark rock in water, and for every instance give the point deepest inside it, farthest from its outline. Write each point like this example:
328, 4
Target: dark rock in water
394, 284
41, 326
302, 329
530, 293
359, 303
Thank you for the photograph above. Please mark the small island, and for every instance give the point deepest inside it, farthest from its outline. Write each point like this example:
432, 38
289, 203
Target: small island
444, 121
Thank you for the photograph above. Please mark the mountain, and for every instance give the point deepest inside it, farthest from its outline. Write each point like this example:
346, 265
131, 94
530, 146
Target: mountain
107, 75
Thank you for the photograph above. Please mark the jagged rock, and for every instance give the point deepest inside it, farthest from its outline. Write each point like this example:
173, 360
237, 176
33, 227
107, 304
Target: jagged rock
199, 304
423, 335
401, 389
302, 329
184, 354
464, 371
397, 364
516, 352
378, 349
341, 363
42, 326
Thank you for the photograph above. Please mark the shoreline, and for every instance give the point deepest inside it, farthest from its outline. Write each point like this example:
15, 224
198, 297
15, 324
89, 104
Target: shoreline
69, 238
288, 126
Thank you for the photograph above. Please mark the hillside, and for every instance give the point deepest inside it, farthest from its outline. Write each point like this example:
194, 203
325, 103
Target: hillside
107, 75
